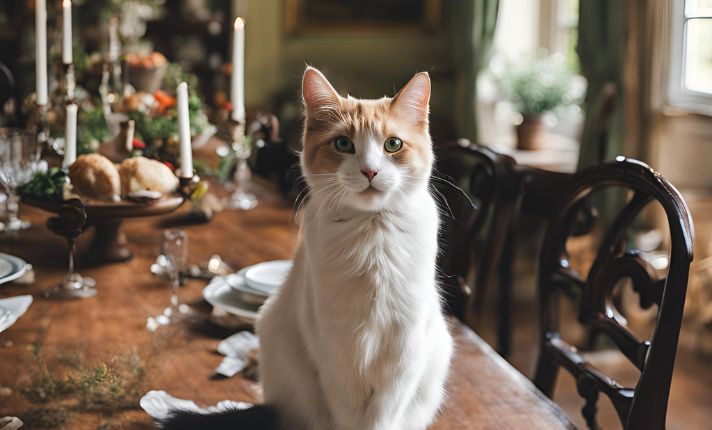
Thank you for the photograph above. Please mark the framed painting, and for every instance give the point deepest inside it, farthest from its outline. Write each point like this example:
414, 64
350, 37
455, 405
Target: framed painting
308, 16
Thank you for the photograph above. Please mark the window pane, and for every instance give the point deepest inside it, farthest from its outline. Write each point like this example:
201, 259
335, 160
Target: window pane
698, 7
698, 58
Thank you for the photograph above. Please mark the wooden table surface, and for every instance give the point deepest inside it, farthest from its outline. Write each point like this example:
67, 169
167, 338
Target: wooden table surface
484, 391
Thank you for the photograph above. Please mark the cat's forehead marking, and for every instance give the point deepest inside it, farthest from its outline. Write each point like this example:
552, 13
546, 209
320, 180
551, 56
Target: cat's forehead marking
366, 116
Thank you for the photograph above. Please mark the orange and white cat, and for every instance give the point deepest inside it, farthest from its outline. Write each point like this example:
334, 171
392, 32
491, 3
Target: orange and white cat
356, 338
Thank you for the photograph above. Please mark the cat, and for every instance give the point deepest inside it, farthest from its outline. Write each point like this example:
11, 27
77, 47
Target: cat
356, 338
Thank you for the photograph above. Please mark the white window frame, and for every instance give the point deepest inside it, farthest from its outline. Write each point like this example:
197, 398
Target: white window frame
678, 95
551, 25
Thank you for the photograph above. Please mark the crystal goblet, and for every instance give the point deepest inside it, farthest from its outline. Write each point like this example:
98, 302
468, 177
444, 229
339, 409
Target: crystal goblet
19, 159
241, 146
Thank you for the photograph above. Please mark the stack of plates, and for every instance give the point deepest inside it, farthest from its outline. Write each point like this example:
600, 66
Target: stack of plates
11, 268
243, 293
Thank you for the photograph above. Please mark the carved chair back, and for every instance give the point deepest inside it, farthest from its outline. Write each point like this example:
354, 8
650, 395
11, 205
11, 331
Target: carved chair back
643, 406
477, 191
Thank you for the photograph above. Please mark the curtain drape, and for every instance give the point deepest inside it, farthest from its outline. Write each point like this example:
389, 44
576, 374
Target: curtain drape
473, 53
601, 47
646, 73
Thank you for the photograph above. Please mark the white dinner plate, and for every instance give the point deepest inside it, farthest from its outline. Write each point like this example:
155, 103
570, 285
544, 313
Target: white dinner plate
268, 276
219, 293
11, 268
237, 282
13, 308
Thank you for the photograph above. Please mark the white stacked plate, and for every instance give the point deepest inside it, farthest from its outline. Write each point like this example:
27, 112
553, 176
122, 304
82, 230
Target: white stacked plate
242, 293
11, 268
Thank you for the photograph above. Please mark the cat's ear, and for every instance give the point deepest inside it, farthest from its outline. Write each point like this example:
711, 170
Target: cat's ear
412, 101
317, 92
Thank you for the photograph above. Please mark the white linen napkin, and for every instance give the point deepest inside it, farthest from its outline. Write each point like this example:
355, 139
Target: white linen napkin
236, 349
16, 307
159, 405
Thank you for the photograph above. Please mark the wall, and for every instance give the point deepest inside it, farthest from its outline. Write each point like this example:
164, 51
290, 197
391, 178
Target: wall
364, 64
682, 151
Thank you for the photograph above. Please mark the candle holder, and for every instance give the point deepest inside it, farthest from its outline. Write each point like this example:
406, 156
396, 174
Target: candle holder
70, 83
42, 127
187, 186
240, 199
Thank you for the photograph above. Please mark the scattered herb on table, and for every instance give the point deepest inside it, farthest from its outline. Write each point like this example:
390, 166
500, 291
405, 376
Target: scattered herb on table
109, 387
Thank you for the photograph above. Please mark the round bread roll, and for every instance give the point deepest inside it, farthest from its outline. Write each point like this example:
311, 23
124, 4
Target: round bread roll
95, 176
143, 174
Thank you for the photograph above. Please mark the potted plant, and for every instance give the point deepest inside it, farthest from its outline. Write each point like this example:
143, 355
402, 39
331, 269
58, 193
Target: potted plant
535, 86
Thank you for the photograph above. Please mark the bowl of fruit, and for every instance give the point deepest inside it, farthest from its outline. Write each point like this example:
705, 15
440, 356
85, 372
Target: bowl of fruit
146, 72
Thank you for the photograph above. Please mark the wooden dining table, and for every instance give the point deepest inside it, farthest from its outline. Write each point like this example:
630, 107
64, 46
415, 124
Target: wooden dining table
484, 391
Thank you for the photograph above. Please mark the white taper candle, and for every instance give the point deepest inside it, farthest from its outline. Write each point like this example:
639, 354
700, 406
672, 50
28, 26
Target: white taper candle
70, 136
67, 32
114, 43
186, 149
238, 71
41, 52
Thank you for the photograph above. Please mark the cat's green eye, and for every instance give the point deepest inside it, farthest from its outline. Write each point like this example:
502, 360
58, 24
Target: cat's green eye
343, 144
393, 144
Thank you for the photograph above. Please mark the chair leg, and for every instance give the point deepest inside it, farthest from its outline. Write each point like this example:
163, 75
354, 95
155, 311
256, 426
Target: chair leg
504, 316
546, 373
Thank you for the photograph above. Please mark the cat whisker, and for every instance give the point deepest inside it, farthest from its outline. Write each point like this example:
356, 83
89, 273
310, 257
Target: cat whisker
311, 193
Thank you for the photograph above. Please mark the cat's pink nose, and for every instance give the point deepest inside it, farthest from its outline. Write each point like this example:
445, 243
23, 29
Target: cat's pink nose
369, 174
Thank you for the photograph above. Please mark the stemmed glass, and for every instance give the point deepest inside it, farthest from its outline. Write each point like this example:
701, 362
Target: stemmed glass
70, 223
241, 198
175, 252
19, 158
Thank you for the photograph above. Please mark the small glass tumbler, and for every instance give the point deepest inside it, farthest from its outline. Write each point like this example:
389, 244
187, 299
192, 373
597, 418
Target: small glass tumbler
175, 252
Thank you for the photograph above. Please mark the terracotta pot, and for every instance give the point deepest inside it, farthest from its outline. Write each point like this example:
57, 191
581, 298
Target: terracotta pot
531, 133
146, 79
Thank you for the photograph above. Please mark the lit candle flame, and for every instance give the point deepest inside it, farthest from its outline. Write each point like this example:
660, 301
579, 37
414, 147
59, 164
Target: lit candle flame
239, 23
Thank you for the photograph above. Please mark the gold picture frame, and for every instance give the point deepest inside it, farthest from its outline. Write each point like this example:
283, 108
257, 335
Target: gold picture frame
329, 16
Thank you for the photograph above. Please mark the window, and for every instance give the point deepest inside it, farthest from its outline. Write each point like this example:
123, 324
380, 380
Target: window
558, 29
691, 55
567, 32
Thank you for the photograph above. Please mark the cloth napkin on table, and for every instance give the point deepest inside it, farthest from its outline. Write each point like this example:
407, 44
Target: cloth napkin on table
17, 306
236, 350
10, 423
159, 405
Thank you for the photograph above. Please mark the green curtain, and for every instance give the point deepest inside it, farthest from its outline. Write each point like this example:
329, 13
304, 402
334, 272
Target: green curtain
480, 21
601, 45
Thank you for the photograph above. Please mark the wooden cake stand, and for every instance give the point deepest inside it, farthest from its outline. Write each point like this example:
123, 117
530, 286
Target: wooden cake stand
109, 242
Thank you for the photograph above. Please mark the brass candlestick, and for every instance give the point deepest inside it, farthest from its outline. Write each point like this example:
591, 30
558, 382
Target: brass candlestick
187, 186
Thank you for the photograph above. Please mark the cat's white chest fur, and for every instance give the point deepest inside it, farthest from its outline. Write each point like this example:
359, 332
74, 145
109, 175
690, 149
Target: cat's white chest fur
356, 338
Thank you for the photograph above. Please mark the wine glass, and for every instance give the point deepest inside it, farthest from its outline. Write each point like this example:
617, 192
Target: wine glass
241, 198
19, 158
70, 223
175, 252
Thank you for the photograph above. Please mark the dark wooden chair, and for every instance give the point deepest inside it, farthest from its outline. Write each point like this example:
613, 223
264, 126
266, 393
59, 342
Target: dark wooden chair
477, 240
477, 191
643, 406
